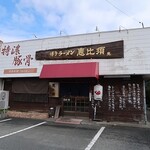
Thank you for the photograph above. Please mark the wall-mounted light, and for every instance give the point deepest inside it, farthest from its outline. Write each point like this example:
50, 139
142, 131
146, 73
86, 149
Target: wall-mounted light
120, 28
142, 24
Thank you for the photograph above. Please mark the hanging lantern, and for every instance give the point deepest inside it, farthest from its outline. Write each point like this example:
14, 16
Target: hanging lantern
98, 92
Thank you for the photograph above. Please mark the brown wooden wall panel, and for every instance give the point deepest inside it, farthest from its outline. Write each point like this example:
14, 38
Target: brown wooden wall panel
122, 100
26, 106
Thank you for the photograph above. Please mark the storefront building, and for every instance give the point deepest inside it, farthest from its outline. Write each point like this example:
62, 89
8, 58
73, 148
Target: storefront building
98, 75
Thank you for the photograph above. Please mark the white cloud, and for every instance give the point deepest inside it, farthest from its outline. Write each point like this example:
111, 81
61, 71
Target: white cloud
23, 17
72, 16
3, 12
84, 15
79, 16
9, 34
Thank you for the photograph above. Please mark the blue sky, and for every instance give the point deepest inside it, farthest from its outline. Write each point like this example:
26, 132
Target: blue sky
25, 19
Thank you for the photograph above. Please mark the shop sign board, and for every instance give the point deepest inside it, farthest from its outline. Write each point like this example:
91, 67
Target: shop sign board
53, 89
17, 60
97, 51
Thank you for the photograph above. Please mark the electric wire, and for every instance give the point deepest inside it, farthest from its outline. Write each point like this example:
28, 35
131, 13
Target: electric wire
124, 12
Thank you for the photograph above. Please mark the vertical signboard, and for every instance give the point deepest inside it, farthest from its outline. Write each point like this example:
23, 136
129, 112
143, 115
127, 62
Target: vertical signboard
53, 89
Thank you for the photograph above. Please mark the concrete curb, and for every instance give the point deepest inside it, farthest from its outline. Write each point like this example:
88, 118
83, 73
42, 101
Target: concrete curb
95, 125
137, 125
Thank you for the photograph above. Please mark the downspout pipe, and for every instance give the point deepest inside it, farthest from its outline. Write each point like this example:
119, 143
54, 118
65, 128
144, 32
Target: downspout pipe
144, 107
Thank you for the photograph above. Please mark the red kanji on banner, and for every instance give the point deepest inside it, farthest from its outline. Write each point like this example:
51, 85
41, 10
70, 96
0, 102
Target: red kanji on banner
15, 50
28, 60
17, 60
5, 50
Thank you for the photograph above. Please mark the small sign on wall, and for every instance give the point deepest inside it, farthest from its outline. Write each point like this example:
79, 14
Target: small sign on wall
53, 89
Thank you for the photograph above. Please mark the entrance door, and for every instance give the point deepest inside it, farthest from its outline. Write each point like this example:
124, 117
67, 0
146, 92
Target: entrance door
76, 106
75, 99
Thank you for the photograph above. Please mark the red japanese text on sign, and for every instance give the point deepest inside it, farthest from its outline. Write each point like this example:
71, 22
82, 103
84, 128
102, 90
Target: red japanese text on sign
27, 60
18, 58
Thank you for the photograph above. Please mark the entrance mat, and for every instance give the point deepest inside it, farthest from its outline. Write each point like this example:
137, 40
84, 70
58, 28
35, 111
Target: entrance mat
68, 120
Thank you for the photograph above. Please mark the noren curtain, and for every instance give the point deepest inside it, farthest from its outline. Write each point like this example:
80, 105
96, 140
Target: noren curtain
30, 85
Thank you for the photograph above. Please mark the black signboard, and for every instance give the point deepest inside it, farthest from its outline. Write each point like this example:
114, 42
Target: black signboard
98, 51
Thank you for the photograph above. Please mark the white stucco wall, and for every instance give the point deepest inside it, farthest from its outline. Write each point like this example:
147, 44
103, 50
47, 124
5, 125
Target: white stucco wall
136, 52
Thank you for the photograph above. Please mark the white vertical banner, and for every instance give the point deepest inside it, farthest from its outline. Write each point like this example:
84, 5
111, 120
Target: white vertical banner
98, 92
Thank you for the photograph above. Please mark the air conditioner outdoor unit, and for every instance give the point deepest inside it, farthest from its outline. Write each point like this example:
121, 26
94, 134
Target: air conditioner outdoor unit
4, 99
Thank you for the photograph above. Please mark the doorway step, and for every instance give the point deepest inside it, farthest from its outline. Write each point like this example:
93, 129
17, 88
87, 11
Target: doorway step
68, 120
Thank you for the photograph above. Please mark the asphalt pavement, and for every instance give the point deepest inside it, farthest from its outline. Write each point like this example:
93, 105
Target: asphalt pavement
22, 134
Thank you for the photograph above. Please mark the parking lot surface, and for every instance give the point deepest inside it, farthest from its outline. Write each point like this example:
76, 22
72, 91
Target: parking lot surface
23, 134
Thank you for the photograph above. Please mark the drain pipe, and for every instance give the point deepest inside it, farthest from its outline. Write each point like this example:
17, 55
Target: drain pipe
95, 112
1, 84
145, 115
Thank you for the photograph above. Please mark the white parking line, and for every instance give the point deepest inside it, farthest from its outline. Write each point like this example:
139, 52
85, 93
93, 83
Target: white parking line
95, 138
22, 130
5, 120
